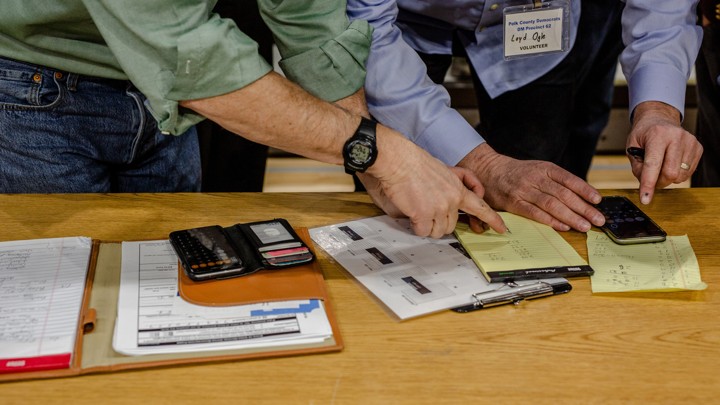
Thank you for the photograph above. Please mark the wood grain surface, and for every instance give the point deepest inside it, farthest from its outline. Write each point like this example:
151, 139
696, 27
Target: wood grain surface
577, 348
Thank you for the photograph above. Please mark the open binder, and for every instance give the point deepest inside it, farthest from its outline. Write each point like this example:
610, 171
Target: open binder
93, 352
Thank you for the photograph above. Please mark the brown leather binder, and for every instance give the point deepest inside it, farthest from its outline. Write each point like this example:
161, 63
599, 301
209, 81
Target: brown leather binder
93, 347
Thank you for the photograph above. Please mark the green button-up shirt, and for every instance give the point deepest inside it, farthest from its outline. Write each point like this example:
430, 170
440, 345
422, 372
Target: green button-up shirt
175, 50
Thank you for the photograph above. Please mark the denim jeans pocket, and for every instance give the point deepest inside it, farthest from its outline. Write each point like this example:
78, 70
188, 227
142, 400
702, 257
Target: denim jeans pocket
24, 88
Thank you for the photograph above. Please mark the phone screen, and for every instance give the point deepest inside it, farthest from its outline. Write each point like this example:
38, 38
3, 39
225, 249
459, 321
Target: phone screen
625, 223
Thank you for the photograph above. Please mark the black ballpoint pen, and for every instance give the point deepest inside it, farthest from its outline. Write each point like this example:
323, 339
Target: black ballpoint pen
637, 153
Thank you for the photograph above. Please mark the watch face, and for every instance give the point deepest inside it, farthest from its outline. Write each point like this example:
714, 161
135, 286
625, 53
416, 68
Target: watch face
360, 152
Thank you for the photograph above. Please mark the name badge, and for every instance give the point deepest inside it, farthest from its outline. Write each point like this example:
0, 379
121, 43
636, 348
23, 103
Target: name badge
537, 29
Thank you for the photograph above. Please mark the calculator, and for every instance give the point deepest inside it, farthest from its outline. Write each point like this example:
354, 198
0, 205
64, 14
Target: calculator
206, 253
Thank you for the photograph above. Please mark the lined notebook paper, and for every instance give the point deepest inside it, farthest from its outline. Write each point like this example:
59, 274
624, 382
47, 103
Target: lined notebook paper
532, 250
661, 266
42, 282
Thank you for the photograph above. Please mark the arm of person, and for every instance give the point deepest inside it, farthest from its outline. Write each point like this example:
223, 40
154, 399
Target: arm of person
662, 42
196, 65
307, 44
315, 55
320, 49
401, 96
275, 112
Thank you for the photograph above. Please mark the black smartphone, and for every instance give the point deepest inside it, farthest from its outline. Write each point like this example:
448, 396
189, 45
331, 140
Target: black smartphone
626, 224
206, 253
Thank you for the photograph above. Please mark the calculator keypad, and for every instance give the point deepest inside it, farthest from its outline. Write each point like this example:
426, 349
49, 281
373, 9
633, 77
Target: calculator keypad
206, 249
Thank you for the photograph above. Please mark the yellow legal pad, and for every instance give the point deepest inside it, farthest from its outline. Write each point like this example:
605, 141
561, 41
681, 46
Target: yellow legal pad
661, 266
531, 251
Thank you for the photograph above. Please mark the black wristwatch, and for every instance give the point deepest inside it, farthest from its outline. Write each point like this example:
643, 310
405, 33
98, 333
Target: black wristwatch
360, 151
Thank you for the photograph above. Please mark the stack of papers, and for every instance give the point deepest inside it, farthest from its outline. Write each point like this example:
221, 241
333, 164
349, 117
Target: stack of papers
42, 283
153, 318
533, 250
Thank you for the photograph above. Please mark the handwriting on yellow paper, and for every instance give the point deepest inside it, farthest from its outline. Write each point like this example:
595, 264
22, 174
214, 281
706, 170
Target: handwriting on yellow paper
530, 245
662, 266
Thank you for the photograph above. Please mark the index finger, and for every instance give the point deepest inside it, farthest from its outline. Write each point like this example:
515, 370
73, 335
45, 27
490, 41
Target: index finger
651, 167
476, 206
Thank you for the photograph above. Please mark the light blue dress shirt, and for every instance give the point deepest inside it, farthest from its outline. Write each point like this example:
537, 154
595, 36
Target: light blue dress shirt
401, 96
662, 41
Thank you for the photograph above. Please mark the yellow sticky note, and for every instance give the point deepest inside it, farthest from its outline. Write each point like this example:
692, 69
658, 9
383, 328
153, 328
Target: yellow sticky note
661, 266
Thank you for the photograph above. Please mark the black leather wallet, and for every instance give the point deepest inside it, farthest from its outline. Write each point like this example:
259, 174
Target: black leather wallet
213, 252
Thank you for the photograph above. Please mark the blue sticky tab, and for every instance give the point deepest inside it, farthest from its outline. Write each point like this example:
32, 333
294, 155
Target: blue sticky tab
301, 309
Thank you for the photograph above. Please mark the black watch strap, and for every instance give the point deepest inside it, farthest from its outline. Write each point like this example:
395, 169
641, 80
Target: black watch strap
360, 151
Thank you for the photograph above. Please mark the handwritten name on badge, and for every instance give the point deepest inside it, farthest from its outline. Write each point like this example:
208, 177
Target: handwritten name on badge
533, 32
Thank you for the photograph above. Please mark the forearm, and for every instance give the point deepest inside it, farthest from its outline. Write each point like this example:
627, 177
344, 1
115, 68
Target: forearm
407, 100
275, 112
355, 103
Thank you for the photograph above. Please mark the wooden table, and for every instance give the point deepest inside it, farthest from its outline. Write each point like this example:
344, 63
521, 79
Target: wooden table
574, 348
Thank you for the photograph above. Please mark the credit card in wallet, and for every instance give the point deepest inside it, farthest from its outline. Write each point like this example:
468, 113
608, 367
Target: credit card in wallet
288, 260
285, 252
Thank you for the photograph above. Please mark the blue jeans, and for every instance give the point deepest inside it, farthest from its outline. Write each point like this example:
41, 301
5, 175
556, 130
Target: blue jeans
65, 133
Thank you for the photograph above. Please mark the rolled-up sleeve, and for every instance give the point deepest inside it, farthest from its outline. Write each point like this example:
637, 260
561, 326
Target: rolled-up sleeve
662, 42
321, 50
179, 50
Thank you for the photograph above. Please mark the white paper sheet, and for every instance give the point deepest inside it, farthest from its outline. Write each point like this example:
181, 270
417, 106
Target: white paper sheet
153, 318
411, 275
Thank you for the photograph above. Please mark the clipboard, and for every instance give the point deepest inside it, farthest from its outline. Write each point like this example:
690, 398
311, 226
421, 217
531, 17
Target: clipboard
93, 352
513, 293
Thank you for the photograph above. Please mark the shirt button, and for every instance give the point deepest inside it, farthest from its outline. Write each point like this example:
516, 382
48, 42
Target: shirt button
58, 75
494, 7
37, 77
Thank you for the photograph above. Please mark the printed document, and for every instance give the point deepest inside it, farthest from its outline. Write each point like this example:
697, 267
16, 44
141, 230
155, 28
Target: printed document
42, 283
153, 318
663, 266
411, 275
